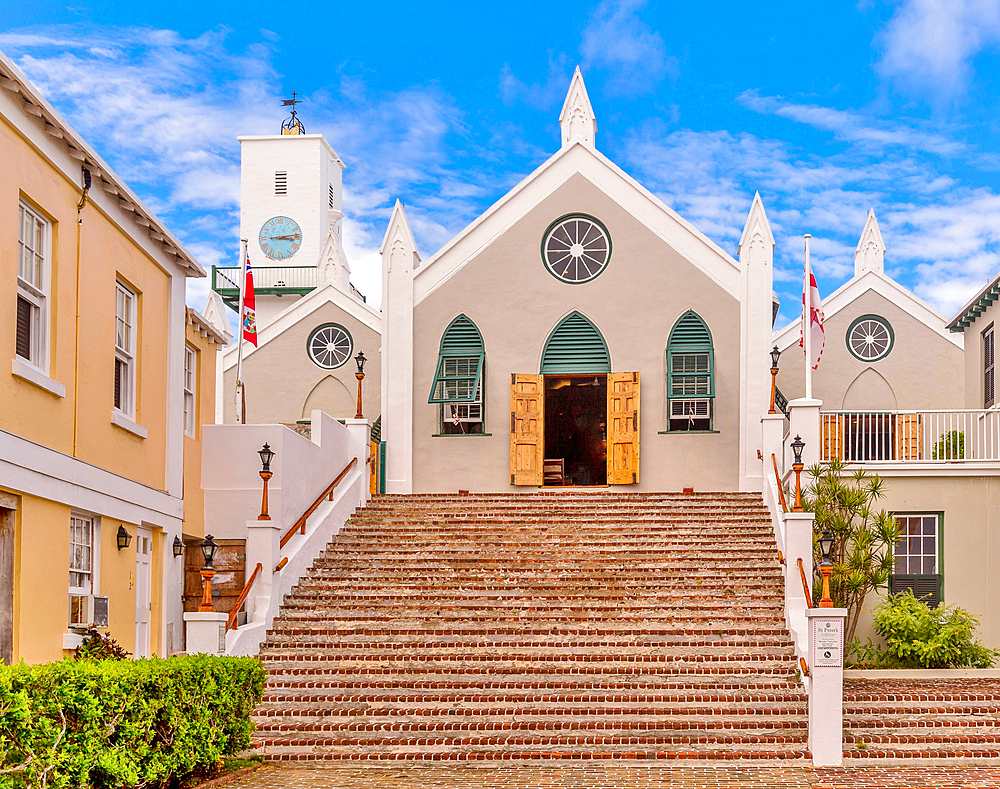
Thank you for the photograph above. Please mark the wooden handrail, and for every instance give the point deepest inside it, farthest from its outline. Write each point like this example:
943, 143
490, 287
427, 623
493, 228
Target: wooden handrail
301, 522
781, 490
805, 668
805, 585
231, 622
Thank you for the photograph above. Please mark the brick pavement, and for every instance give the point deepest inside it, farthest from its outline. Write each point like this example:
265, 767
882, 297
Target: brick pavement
597, 776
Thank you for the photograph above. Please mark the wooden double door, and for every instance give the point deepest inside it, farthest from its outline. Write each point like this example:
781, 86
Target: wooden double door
613, 424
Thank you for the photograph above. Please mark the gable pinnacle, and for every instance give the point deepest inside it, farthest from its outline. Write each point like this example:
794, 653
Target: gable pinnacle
870, 252
577, 120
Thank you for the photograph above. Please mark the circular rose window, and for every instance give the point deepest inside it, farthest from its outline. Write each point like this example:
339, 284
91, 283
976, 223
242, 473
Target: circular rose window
576, 248
330, 345
870, 338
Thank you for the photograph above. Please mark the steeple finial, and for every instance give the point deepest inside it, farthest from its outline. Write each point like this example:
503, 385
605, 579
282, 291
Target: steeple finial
577, 119
870, 252
292, 125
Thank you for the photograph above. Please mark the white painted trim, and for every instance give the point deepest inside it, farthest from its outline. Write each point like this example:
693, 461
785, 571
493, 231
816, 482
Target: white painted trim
606, 176
31, 374
122, 421
32, 469
56, 150
297, 137
923, 673
298, 311
932, 468
878, 283
176, 344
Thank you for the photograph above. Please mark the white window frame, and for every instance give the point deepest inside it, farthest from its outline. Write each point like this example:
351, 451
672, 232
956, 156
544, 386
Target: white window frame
35, 291
922, 536
125, 347
190, 389
92, 584
469, 412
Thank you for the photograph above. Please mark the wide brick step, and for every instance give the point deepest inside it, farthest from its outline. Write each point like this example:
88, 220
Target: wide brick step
476, 695
631, 755
291, 637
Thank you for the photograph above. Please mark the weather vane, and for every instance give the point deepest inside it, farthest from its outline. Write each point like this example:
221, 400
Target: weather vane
292, 125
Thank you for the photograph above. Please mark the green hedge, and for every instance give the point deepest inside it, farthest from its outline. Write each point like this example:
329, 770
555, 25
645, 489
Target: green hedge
111, 723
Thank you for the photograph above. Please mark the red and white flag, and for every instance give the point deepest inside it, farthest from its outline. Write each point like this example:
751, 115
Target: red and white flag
813, 316
249, 305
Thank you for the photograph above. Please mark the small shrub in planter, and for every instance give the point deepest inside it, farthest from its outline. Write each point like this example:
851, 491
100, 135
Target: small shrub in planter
97, 646
918, 636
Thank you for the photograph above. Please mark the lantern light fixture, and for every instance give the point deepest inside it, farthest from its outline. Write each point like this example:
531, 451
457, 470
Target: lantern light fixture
775, 355
124, 538
208, 549
360, 359
826, 549
178, 546
797, 446
266, 456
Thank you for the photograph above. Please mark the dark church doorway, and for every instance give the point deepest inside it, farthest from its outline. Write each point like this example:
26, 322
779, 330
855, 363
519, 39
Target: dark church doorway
576, 412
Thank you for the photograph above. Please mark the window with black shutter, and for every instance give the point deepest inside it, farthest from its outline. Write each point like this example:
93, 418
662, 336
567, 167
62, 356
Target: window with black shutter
917, 557
988, 380
23, 328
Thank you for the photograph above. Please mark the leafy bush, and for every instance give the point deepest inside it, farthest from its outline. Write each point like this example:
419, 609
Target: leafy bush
863, 539
96, 646
110, 723
918, 636
951, 446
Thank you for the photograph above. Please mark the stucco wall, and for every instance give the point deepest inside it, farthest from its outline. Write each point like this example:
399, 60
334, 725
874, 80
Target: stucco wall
516, 303
923, 370
194, 496
280, 376
971, 550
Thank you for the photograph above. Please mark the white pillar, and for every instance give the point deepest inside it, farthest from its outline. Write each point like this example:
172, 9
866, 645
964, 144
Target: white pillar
205, 632
772, 430
360, 431
826, 685
798, 545
263, 539
803, 416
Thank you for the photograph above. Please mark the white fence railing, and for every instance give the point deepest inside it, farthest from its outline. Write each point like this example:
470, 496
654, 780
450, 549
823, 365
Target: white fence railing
228, 277
911, 436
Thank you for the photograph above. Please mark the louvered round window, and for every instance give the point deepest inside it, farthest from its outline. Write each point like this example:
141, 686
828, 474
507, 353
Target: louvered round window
330, 345
576, 248
870, 338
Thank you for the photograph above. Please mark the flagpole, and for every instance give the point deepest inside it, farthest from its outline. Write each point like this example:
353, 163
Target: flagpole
240, 399
807, 320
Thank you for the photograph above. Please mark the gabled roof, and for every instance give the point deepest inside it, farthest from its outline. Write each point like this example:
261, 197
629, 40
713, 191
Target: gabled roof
206, 328
976, 307
11, 79
577, 158
301, 309
879, 283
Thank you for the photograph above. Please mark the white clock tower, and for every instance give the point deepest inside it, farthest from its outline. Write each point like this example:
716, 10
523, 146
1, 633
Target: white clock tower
290, 213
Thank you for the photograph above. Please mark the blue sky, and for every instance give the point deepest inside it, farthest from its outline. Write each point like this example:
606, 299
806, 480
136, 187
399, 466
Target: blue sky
826, 108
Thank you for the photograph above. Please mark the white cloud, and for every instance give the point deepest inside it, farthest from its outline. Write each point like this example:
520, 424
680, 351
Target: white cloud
852, 126
928, 44
633, 55
540, 96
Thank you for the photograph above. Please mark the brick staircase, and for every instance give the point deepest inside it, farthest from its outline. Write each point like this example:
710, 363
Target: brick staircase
940, 720
538, 626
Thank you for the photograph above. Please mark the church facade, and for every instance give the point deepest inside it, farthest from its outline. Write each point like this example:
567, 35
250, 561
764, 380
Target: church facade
579, 333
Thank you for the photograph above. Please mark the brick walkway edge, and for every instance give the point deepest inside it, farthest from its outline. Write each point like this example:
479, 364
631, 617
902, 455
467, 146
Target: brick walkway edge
619, 777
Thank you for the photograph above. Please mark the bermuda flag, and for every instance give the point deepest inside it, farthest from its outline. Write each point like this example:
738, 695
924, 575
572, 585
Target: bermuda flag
249, 321
817, 338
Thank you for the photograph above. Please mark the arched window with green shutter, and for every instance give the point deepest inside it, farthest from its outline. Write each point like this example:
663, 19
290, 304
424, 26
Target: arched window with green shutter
458, 378
575, 346
690, 374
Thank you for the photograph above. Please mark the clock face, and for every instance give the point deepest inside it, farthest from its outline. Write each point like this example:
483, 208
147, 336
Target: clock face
280, 237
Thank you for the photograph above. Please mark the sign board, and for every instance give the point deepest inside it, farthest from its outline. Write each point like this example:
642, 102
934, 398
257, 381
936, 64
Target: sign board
222, 638
828, 643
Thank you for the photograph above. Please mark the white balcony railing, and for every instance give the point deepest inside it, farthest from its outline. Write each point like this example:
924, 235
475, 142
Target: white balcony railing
911, 436
267, 277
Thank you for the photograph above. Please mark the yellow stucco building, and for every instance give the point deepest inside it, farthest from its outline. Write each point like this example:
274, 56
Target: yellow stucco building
109, 379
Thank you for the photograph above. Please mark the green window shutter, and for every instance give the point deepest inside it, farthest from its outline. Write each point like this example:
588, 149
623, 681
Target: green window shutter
690, 358
377, 430
924, 587
459, 370
575, 346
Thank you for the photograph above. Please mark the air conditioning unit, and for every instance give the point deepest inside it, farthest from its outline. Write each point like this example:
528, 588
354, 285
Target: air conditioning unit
88, 611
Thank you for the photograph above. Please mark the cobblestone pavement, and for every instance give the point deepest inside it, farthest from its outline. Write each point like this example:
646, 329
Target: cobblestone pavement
618, 777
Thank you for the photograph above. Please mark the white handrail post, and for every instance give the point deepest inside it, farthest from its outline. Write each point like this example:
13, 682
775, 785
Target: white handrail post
803, 417
798, 545
826, 685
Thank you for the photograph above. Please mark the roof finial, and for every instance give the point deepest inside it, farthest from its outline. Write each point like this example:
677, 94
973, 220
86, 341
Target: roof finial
870, 252
577, 120
292, 125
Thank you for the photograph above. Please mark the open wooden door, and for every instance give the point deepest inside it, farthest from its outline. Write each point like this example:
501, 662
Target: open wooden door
908, 434
527, 428
832, 426
623, 428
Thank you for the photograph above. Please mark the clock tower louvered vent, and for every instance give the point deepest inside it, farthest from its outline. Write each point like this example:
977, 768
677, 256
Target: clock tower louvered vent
281, 182
332, 204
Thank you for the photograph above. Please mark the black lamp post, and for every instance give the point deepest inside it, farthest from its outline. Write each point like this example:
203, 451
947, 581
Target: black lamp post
178, 546
266, 456
124, 538
208, 549
826, 567
360, 374
797, 446
775, 354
